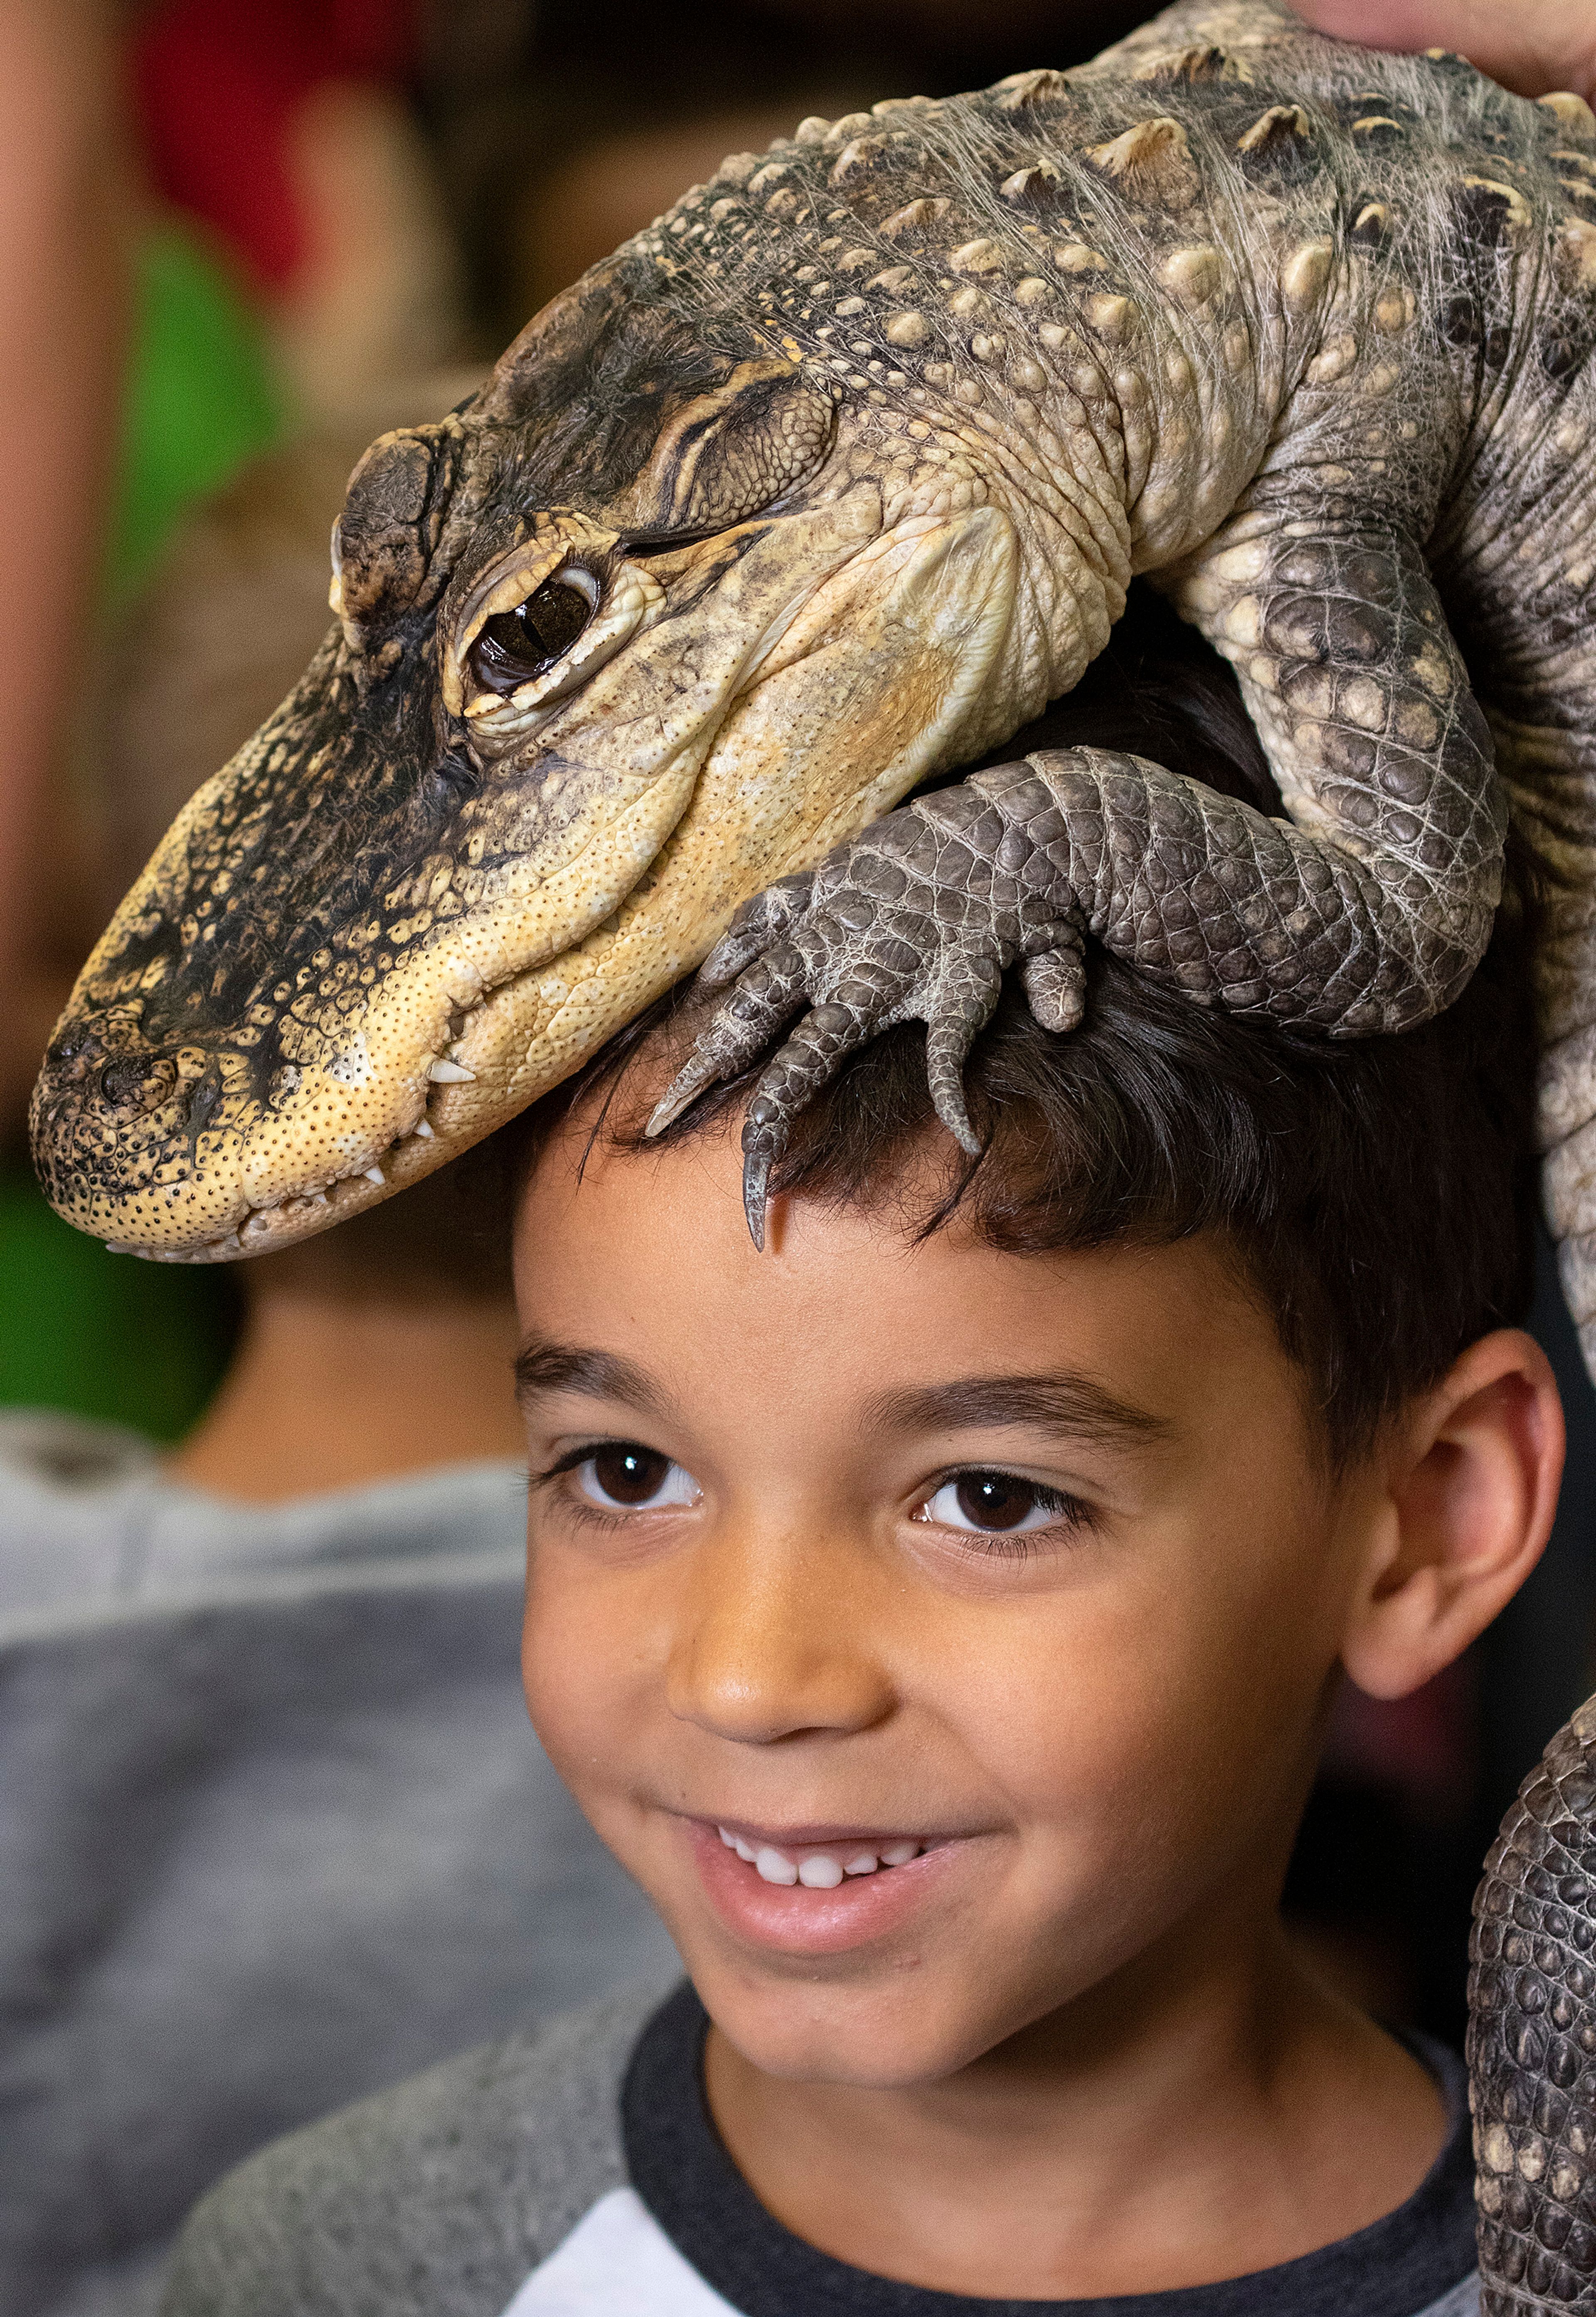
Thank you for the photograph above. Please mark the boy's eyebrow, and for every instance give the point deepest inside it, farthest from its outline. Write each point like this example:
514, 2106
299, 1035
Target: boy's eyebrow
541, 1366
1066, 1402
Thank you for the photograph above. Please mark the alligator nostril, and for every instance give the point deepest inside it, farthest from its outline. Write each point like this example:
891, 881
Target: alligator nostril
201, 1103
120, 1082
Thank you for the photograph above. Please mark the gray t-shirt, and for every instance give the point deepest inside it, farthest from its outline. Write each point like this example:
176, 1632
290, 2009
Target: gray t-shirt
274, 1830
575, 2171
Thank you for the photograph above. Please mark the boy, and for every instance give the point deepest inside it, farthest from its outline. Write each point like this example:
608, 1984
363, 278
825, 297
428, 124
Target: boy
939, 1615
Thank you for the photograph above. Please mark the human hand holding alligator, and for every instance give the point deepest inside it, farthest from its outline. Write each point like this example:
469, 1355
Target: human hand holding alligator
820, 489
1533, 48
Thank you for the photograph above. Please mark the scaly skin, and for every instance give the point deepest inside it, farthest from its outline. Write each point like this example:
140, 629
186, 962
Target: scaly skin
858, 449
1533, 2040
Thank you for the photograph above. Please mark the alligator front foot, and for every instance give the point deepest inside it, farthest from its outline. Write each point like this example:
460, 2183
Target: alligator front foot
914, 921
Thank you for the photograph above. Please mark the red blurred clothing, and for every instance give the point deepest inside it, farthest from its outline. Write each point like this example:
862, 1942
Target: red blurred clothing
217, 84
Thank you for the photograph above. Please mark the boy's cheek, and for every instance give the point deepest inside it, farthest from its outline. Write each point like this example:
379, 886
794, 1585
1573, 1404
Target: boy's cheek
592, 1678
571, 1672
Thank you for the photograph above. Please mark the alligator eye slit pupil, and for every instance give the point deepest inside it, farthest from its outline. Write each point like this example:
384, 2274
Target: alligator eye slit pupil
514, 646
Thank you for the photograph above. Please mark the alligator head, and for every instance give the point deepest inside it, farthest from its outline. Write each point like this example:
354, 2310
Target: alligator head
636, 630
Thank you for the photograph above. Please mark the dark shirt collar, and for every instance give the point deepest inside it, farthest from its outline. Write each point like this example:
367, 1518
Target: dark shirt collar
1398, 2267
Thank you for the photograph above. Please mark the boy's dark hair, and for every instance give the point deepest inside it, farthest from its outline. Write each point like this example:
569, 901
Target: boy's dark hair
1376, 1193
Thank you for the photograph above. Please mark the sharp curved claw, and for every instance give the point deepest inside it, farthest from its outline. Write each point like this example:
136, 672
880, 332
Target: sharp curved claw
685, 1087
947, 1043
766, 995
756, 1177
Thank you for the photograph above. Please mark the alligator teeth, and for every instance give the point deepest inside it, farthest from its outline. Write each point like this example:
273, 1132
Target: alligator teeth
375, 1175
422, 1128
444, 1072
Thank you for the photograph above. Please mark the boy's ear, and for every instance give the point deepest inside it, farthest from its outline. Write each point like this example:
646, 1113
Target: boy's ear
1466, 1496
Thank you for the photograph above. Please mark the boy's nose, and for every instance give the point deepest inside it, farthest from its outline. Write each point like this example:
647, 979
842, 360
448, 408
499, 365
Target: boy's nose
775, 1641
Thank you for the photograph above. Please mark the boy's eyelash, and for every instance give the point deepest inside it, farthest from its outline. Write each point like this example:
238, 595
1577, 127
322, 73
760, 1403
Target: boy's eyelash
576, 1457
580, 1510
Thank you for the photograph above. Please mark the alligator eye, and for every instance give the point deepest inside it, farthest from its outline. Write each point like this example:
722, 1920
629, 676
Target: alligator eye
544, 644
514, 647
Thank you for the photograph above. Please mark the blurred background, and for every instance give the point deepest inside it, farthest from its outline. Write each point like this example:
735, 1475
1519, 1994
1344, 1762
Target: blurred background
237, 239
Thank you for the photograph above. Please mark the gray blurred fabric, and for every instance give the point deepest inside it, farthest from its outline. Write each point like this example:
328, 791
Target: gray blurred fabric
274, 1831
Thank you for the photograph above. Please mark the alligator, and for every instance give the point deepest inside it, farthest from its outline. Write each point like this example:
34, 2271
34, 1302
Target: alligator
821, 488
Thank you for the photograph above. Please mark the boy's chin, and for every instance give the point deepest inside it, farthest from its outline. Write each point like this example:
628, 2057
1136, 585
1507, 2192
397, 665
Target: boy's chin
886, 2037
890, 2024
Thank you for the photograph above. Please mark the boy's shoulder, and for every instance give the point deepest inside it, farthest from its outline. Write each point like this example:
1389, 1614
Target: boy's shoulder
433, 2199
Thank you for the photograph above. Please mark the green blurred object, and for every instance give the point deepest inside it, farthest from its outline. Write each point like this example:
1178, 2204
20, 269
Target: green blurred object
142, 1343
200, 398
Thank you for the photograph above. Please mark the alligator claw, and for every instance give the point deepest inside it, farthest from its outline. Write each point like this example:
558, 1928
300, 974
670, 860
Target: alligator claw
947, 1045
888, 929
756, 1177
767, 994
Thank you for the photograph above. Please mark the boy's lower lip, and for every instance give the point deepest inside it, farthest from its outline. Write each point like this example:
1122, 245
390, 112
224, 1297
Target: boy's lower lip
797, 1919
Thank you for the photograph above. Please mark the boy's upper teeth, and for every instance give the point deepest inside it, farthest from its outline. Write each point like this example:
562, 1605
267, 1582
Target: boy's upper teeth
818, 1870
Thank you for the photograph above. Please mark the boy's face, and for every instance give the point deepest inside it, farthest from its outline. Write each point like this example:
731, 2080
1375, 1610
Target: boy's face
1018, 1569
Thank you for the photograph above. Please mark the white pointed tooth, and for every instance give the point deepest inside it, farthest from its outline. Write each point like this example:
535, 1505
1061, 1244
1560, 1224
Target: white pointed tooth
422, 1128
444, 1072
375, 1175
772, 1867
863, 1862
730, 1841
745, 1850
820, 1873
898, 1854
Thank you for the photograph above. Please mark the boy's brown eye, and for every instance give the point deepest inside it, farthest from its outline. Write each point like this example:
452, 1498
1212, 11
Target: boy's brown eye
993, 1500
997, 1504
624, 1476
628, 1474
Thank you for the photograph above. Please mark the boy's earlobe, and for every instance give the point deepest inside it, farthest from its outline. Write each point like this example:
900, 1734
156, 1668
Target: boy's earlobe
1465, 1506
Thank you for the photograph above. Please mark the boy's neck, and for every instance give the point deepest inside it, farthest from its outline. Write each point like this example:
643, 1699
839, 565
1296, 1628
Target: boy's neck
1193, 2118
336, 1393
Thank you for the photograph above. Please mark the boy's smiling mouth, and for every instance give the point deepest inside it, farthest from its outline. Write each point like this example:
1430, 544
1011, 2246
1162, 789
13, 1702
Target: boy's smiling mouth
816, 1897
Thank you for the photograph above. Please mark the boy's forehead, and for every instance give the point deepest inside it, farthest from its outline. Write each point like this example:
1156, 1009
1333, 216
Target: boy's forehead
643, 1253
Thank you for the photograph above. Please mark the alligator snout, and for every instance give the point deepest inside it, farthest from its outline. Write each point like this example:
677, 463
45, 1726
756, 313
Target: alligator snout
131, 1082
102, 1096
